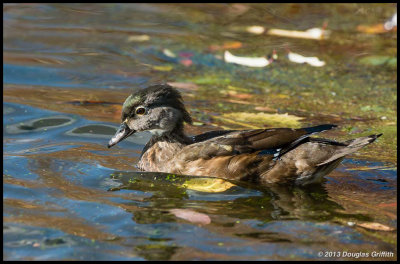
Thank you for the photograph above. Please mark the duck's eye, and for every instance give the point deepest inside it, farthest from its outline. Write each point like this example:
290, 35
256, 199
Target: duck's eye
140, 111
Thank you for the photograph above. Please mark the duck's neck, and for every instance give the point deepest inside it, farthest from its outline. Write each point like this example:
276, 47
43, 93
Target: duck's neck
176, 138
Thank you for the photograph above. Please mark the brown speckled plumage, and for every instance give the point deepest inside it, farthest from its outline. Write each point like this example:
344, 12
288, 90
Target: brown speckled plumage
277, 155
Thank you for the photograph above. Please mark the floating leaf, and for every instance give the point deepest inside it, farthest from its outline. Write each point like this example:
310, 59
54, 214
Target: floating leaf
376, 226
377, 60
191, 216
226, 45
258, 30
169, 53
265, 109
237, 101
246, 61
313, 61
312, 33
186, 62
282, 96
279, 120
375, 108
388, 205
374, 29
232, 45
138, 38
207, 185
391, 23
232, 121
366, 168
162, 68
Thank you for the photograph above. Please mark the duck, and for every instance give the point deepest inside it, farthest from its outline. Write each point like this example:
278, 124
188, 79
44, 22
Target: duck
264, 156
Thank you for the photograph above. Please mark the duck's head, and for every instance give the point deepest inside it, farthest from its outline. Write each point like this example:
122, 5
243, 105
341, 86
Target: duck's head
158, 109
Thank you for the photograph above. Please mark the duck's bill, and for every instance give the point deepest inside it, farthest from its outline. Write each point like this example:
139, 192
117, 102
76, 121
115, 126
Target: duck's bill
123, 132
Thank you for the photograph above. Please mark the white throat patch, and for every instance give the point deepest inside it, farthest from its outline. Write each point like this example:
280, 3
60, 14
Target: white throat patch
157, 132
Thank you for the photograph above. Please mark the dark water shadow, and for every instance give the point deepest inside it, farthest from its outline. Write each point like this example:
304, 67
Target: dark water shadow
246, 200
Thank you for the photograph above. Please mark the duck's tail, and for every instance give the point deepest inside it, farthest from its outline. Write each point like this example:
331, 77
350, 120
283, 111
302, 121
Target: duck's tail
312, 159
332, 162
352, 146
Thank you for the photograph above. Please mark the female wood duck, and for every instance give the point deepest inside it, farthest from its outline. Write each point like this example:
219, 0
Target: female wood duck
276, 155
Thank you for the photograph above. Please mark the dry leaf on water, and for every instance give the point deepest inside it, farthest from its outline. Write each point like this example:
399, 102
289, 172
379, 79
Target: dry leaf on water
376, 226
391, 23
169, 53
312, 33
246, 61
373, 29
226, 45
258, 30
313, 61
138, 38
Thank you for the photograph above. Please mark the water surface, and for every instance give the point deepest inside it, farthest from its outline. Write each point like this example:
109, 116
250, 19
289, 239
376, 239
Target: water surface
68, 68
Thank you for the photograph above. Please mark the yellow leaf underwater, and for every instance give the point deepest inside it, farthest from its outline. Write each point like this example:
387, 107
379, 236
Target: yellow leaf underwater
278, 120
207, 185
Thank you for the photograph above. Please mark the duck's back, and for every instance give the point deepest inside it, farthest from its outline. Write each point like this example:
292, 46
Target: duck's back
278, 155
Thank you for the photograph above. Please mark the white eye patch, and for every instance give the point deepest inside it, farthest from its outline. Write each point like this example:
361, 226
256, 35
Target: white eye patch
140, 110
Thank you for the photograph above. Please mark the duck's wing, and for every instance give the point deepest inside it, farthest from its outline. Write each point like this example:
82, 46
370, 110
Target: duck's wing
268, 141
210, 134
